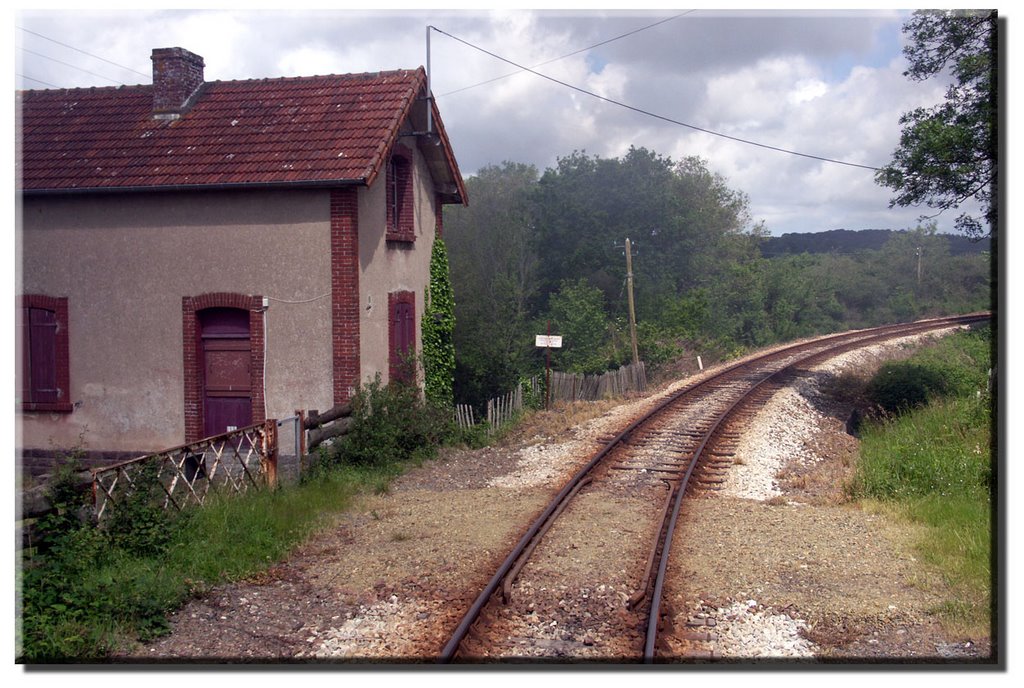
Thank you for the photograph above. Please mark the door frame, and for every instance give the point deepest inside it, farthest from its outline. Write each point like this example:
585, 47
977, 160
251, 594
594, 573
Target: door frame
192, 355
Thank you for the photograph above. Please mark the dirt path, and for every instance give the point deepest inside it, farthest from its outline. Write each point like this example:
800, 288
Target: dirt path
790, 570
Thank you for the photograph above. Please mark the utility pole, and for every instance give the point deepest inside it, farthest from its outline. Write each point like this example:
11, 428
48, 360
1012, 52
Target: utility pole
629, 289
918, 267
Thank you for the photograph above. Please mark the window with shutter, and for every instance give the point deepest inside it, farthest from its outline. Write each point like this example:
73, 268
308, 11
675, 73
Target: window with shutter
44, 353
400, 216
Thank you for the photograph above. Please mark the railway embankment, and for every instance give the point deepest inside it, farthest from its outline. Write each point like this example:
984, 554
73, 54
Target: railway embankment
776, 564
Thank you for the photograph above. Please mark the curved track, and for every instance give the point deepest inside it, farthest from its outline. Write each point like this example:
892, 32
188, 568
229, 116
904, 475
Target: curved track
633, 487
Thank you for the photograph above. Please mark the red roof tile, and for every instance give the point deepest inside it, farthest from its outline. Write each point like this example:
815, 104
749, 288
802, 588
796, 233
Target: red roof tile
324, 129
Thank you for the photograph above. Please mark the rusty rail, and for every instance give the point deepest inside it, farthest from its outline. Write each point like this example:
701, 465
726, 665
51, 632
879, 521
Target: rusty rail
827, 346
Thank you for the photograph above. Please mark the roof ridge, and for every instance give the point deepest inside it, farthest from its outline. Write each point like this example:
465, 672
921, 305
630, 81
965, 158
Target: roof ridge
56, 89
306, 77
303, 77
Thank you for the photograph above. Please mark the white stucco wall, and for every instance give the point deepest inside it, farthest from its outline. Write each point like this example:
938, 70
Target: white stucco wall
125, 262
386, 269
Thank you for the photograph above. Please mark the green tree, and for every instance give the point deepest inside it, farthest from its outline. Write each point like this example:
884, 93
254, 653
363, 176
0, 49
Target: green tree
577, 313
948, 153
493, 270
675, 212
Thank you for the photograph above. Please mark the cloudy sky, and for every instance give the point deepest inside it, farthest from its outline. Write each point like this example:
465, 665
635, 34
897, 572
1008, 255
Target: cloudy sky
822, 83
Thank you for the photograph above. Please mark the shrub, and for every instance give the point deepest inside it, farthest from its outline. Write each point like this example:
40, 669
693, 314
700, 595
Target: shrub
391, 423
954, 366
65, 494
137, 524
901, 386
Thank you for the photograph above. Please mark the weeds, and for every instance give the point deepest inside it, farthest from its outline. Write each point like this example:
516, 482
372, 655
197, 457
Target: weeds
86, 591
929, 457
391, 424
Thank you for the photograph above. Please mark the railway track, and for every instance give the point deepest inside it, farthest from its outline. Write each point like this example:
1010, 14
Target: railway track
560, 593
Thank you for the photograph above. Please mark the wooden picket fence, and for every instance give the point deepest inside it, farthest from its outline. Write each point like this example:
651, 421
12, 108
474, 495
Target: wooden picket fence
614, 383
500, 409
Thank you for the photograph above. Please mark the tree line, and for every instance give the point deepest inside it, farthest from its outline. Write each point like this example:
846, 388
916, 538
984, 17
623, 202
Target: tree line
546, 250
537, 250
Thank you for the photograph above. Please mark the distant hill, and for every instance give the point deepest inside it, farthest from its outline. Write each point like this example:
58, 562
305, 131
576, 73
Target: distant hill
851, 241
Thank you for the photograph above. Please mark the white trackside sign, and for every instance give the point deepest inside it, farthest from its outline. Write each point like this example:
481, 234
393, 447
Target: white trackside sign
549, 341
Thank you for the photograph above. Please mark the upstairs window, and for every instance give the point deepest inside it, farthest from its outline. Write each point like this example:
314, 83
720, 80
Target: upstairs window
400, 216
44, 354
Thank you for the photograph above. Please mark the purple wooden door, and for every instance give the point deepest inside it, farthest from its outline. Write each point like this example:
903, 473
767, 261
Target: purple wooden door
226, 373
403, 341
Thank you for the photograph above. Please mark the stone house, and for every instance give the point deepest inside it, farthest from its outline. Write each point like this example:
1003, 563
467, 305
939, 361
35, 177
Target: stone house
199, 255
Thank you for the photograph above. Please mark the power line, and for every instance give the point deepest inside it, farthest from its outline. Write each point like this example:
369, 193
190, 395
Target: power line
651, 114
38, 81
575, 52
71, 47
68, 64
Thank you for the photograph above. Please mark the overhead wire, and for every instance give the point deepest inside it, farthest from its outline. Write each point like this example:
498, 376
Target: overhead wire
79, 50
652, 114
38, 81
68, 64
574, 52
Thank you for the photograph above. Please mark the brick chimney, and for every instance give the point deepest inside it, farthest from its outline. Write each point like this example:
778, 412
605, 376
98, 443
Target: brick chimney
177, 78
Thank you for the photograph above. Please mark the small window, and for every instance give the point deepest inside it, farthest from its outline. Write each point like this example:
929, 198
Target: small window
400, 222
44, 354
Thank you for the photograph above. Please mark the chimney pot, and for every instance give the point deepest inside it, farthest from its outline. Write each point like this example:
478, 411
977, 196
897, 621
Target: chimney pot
177, 79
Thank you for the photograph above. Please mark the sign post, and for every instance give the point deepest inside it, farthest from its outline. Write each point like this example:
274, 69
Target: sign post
549, 343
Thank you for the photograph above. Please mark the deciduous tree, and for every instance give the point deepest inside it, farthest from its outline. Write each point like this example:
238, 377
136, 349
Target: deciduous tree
948, 153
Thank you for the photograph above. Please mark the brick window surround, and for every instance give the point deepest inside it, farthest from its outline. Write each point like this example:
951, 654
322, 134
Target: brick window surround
345, 293
55, 400
400, 213
191, 347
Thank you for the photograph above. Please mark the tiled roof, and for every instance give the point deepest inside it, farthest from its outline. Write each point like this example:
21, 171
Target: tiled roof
305, 130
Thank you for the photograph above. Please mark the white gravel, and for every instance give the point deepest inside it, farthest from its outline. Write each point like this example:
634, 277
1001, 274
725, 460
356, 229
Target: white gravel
776, 438
374, 631
746, 631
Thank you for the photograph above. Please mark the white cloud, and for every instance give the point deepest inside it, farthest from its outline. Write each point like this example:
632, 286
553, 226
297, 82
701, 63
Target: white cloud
829, 85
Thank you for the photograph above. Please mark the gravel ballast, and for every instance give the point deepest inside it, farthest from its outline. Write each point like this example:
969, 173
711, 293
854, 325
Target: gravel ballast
775, 566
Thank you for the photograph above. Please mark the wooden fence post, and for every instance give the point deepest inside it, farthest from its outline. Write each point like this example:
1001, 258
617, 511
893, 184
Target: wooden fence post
270, 450
302, 432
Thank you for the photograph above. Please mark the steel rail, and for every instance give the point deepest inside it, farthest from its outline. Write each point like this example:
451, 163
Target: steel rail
654, 614
529, 539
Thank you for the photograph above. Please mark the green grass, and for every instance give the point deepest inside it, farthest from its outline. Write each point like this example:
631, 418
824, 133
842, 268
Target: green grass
86, 596
933, 466
87, 590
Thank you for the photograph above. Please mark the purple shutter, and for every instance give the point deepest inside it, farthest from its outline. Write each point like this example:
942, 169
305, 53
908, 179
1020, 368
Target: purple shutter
41, 356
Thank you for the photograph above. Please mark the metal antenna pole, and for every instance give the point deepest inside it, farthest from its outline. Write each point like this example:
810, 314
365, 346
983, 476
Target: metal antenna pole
430, 94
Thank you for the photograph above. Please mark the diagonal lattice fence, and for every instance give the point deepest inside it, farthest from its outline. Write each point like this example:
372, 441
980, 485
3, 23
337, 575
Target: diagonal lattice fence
232, 463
